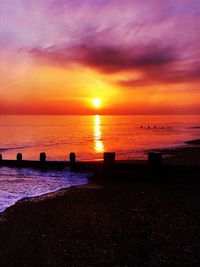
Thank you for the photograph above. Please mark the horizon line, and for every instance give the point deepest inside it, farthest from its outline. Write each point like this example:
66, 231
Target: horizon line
164, 114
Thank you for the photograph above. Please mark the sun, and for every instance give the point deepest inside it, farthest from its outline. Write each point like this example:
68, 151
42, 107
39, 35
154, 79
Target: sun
97, 102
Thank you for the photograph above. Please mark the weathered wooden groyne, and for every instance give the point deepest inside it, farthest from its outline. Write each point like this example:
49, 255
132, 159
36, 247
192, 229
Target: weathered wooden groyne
109, 167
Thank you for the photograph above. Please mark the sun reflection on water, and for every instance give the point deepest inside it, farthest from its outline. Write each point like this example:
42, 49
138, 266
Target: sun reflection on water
98, 144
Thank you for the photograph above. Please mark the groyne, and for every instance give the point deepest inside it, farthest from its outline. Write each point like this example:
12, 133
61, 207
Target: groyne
110, 168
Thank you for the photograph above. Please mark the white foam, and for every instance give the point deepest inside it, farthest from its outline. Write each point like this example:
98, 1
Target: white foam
16, 184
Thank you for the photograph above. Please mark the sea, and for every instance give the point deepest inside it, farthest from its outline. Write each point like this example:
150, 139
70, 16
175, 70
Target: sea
130, 137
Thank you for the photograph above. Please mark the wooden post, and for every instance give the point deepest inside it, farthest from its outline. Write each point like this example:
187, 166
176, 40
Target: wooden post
42, 156
19, 156
72, 160
109, 161
155, 158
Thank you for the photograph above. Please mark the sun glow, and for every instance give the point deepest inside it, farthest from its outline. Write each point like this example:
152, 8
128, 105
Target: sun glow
97, 102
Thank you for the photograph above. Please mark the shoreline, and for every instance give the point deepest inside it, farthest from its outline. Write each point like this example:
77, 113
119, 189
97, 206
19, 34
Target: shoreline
187, 155
44, 197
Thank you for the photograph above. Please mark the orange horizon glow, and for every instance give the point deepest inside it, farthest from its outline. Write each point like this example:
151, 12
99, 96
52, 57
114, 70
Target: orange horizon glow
141, 66
52, 90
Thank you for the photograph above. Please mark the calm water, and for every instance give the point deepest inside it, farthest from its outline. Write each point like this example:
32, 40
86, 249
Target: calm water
89, 137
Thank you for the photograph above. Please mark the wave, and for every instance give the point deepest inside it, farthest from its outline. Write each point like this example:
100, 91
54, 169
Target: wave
12, 148
194, 127
31, 183
193, 142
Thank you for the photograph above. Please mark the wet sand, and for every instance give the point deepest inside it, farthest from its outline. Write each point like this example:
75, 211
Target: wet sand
151, 223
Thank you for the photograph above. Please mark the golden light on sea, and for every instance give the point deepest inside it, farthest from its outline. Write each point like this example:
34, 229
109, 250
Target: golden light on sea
98, 144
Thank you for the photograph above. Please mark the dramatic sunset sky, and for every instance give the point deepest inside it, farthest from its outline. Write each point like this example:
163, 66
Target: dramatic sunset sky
137, 56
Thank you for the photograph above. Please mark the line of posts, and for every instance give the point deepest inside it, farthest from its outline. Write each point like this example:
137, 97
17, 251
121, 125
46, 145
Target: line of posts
154, 159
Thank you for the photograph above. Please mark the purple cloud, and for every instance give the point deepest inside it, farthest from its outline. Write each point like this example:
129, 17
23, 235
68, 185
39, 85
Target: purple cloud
161, 76
107, 59
161, 39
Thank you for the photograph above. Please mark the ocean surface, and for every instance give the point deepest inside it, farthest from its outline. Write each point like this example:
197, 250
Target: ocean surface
88, 136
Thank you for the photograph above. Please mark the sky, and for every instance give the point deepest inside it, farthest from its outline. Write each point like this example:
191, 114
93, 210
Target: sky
138, 57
